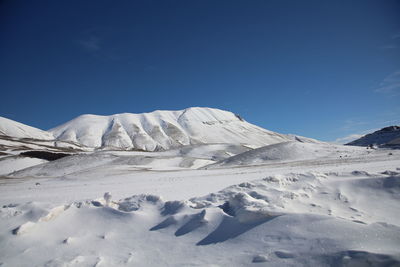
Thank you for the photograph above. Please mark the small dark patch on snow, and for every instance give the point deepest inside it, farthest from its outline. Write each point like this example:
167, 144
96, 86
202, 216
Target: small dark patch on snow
172, 207
96, 203
196, 221
358, 221
44, 155
391, 173
360, 173
259, 258
164, 224
360, 258
284, 254
227, 209
239, 117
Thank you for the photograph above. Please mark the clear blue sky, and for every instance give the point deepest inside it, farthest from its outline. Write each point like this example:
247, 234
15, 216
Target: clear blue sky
322, 69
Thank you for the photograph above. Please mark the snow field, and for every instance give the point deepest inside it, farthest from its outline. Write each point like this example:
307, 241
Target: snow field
297, 219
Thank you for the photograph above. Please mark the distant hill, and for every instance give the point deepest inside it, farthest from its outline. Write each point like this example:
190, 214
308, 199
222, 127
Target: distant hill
15, 129
388, 136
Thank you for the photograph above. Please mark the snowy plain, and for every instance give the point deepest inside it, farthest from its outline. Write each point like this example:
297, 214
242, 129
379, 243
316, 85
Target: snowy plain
331, 211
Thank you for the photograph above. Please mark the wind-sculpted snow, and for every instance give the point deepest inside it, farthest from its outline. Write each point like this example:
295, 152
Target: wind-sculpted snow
160, 130
296, 219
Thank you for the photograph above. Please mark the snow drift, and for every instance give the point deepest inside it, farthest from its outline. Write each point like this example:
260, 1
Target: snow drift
297, 219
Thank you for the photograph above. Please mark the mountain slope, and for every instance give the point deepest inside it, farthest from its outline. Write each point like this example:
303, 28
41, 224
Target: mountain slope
385, 136
15, 129
160, 130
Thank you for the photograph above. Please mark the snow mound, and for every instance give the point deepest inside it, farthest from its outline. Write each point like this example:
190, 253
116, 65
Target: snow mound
160, 130
15, 129
295, 192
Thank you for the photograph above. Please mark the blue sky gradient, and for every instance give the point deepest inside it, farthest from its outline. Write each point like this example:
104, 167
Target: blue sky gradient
321, 69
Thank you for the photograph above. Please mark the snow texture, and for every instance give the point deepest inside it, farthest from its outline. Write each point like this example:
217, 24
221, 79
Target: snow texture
202, 197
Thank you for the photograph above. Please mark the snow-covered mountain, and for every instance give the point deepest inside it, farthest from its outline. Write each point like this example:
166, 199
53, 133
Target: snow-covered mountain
161, 130
388, 136
154, 131
15, 129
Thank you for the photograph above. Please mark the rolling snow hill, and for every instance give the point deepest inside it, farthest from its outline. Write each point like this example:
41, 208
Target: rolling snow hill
290, 151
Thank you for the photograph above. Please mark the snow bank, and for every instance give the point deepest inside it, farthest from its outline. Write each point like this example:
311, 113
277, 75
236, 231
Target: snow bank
297, 219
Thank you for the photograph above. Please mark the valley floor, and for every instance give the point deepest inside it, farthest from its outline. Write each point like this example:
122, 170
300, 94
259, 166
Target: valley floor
325, 212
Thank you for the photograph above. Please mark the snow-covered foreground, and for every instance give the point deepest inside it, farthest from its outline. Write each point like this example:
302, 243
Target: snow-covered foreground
337, 210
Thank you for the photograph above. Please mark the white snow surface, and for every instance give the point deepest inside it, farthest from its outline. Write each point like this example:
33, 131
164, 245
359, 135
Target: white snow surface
15, 129
182, 158
11, 164
160, 130
106, 209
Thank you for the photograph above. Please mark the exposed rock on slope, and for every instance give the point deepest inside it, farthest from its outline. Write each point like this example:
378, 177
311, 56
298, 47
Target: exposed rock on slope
388, 136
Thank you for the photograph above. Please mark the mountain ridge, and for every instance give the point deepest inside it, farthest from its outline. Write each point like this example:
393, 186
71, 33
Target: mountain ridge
153, 131
16, 129
160, 130
387, 136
